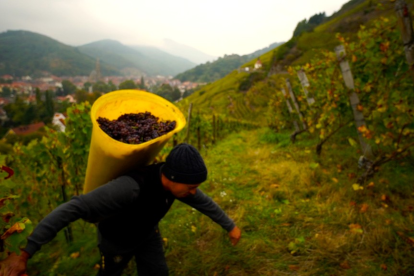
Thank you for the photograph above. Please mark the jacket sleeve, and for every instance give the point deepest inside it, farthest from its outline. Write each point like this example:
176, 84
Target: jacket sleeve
204, 204
94, 206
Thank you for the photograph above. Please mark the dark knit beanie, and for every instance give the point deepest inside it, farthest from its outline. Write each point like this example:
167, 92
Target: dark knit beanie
185, 165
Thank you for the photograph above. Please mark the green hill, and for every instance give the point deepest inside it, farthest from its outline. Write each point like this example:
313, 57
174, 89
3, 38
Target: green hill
235, 95
212, 71
27, 53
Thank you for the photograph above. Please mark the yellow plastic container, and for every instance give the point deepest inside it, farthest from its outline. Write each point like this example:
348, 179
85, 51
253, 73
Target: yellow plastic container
109, 158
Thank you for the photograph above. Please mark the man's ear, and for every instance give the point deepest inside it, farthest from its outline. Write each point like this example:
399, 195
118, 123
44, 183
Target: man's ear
166, 183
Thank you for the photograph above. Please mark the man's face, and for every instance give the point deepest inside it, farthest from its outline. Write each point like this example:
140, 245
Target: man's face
182, 190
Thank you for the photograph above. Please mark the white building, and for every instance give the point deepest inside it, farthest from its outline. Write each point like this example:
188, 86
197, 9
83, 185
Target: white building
59, 121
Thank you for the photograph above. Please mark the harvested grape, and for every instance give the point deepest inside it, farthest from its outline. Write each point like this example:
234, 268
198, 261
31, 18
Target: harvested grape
135, 128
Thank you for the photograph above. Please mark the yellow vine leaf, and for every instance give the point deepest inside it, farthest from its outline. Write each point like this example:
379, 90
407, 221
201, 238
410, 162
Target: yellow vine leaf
17, 227
352, 142
354, 58
356, 228
357, 187
364, 208
75, 255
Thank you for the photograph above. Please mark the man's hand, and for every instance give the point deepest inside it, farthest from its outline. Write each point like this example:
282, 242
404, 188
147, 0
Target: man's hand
14, 265
234, 235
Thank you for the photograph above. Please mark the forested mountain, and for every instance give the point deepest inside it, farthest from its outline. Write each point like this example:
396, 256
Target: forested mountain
212, 71
27, 53
149, 60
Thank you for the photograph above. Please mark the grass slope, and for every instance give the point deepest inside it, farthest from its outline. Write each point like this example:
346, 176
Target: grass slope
27, 53
299, 215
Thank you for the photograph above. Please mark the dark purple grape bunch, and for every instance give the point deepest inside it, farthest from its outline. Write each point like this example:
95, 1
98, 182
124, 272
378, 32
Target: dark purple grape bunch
135, 128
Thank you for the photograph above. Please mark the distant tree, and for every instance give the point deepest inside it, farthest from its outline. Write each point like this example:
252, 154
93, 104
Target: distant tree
300, 27
20, 113
38, 96
68, 87
30, 116
86, 86
142, 83
128, 84
309, 25
111, 86
59, 91
168, 92
62, 106
7, 92
41, 112
81, 96
212, 71
317, 19
176, 94
92, 97
49, 106
188, 92
5, 81
102, 87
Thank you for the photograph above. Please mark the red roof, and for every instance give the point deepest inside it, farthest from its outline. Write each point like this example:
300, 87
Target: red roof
7, 77
24, 130
4, 101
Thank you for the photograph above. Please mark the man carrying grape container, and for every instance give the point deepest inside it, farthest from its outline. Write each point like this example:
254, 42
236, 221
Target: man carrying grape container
127, 210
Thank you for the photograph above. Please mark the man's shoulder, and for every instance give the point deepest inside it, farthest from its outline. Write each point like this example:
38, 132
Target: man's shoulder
139, 174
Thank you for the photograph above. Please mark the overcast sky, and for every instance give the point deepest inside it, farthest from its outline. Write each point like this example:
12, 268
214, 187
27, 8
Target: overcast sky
215, 27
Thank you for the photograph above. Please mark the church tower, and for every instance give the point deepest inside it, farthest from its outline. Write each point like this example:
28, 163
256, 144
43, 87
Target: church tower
95, 75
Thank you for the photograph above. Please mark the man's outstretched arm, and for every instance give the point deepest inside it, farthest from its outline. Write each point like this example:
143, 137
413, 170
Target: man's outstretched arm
204, 204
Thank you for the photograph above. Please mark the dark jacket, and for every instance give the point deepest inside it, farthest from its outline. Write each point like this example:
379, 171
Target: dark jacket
126, 210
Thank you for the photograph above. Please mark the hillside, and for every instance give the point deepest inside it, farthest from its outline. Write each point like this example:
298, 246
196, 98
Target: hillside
298, 214
231, 96
27, 53
147, 60
212, 71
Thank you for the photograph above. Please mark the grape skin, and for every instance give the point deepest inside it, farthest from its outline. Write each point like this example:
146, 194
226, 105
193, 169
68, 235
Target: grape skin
135, 128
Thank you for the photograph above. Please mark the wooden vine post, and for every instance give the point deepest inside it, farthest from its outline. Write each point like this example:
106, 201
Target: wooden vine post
295, 103
354, 100
190, 108
305, 83
407, 33
295, 123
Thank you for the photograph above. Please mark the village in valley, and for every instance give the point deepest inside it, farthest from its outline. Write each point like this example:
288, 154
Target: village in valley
25, 88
